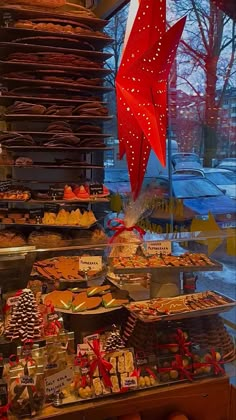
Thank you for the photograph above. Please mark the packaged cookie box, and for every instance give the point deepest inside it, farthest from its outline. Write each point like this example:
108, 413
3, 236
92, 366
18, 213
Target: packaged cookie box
173, 369
121, 373
172, 341
146, 372
207, 362
112, 373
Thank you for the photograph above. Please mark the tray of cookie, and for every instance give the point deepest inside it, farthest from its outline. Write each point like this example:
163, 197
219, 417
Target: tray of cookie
12, 47
56, 78
184, 262
180, 307
57, 27
78, 13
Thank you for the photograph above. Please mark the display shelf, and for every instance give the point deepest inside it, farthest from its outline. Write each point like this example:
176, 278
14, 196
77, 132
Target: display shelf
100, 41
41, 225
23, 12
48, 166
43, 117
183, 269
206, 399
47, 134
63, 149
81, 86
101, 72
148, 316
7, 100
9, 47
52, 201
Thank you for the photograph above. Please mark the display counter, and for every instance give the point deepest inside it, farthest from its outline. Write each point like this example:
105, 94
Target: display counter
204, 400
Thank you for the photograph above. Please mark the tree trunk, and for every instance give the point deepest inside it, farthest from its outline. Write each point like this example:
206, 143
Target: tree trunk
211, 113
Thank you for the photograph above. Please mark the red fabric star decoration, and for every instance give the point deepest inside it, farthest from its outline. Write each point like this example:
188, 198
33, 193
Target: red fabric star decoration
141, 87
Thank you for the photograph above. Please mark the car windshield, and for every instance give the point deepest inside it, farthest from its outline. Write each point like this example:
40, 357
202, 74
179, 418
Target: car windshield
185, 158
220, 178
228, 164
195, 188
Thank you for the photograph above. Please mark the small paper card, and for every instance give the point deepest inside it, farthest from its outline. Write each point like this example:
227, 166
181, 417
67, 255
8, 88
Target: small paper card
58, 381
87, 263
27, 380
157, 248
131, 382
11, 301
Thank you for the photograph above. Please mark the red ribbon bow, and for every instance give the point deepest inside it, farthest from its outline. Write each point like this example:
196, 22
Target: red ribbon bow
121, 228
103, 365
182, 343
211, 361
177, 364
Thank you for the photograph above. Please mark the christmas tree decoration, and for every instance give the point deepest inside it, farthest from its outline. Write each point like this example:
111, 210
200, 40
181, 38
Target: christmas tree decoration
141, 86
114, 340
26, 321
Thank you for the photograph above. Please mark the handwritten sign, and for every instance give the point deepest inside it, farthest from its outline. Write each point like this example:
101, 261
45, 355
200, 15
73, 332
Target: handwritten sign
131, 382
58, 381
157, 248
90, 263
27, 380
96, 189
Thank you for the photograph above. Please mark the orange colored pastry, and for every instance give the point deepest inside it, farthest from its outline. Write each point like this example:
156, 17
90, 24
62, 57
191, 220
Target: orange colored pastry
110, 302
97, 290
59, 299
68, 193
81, 193
82, 302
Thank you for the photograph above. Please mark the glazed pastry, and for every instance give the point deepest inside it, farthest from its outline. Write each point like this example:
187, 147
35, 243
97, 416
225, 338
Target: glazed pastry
81, 193
115, 383
97, 386
112, 360
129, 361
68, 193
121, 364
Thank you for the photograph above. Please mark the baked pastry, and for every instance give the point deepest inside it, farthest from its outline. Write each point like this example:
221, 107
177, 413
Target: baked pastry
59, 299
16, 139
68, 193
46, 239
23, 161
26, 108
82, 302
10, 238
81, 193
59, 127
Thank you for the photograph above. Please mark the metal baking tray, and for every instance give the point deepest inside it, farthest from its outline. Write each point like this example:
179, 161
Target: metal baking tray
182, 315
172, 269
26, 11
99, 40
9, 47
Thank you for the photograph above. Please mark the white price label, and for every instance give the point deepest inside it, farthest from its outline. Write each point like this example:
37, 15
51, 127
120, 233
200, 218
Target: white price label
131, 382
83, 349
13, 300
157, 248
27, 380
90, 263
92, 337
58, 381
